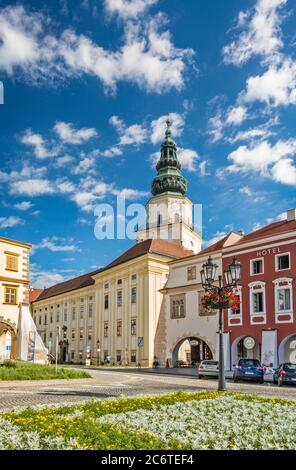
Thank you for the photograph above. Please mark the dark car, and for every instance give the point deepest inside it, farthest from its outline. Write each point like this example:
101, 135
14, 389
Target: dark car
248, 369
285, 374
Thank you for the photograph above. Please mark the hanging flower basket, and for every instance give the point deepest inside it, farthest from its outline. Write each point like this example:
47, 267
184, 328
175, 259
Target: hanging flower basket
223, 300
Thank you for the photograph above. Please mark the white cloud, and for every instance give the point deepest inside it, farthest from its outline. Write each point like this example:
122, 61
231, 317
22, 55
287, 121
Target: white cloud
31, 187
158, 127
85, 165
274, 161
68, 134
131, 194
132, 135
217, 236
188, 158
11, 221
203, 168
111, 152
18, 38
63, 161
42, 279
251, 135
147, 57
254, 196
277, 86
38, 143
236, 115
261, 33
128, 8
23, 206
56, 244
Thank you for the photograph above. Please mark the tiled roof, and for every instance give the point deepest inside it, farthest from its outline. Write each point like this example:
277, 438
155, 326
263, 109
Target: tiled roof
269, 230
34, 294
162, 247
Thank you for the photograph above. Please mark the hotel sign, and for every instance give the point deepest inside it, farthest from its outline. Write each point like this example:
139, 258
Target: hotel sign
268, 251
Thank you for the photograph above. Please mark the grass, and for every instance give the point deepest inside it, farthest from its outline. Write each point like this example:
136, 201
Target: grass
79, 427
26, 371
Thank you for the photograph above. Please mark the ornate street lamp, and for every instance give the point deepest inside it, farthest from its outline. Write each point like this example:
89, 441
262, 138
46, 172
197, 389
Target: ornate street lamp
232, 276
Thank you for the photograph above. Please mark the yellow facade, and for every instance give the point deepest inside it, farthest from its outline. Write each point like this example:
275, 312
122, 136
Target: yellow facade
83, 311
14, 292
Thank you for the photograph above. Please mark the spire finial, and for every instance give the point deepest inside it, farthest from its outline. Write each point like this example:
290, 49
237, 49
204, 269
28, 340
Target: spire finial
168, 132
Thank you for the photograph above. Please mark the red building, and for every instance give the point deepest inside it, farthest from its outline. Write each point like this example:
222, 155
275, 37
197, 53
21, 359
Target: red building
265, 325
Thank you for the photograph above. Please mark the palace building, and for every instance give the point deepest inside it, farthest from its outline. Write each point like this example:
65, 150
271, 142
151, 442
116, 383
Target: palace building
112, 314
146, 304
18, 335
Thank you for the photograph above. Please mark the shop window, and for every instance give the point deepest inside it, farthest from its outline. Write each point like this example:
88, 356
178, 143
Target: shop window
118, 357
133, 356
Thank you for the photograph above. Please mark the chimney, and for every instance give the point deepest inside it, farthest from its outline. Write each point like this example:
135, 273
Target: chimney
291, 215
241, 233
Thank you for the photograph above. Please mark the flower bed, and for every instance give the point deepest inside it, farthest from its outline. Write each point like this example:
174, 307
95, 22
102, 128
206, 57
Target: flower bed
207, 420
28, 371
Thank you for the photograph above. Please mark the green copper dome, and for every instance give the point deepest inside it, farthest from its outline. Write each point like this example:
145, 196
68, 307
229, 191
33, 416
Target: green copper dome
169, 178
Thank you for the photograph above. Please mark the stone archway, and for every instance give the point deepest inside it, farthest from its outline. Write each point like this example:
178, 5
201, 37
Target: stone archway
190, 350
8, 340
287, 349
238, 350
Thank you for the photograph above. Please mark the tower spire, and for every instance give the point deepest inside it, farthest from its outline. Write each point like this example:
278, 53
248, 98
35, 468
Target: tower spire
169, 178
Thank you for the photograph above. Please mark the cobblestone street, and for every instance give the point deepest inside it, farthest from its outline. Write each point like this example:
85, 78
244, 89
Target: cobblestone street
108, 384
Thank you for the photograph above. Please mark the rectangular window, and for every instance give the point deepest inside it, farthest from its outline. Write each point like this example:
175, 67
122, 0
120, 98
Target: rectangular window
191, 273
178, 306
133, 327
73, 333
133, 356
119, 298
81, 311
106, 329
284, 299
257, 266
89, 335
282, 262
119, 282
73, 314
65, 316
58, 317
45, 320
90, 310
51, 318
119, 327
81, 333
40, 320
134, 277
106, 286
106, 302
134, 295
12, 263
258, 302
10, 295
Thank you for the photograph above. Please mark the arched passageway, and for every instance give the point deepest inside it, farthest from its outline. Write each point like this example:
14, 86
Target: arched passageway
245, 346
190, 351
287, 349
7, 341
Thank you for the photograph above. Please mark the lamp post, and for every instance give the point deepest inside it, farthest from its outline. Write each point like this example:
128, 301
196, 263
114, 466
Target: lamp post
232, 276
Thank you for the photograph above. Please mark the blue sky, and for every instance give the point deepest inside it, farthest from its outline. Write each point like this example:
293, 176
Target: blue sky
87, 87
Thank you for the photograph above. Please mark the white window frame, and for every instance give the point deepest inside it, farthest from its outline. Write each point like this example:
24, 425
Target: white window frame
251, 266
257, 291
276, 261
278, 287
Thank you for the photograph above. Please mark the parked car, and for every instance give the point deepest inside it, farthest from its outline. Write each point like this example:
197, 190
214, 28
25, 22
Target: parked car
248, 369
285, 374
208, 368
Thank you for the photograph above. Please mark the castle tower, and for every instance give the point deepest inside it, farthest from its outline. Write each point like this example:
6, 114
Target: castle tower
169, 211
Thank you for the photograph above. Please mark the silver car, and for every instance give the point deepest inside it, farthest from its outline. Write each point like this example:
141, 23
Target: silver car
208, 368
